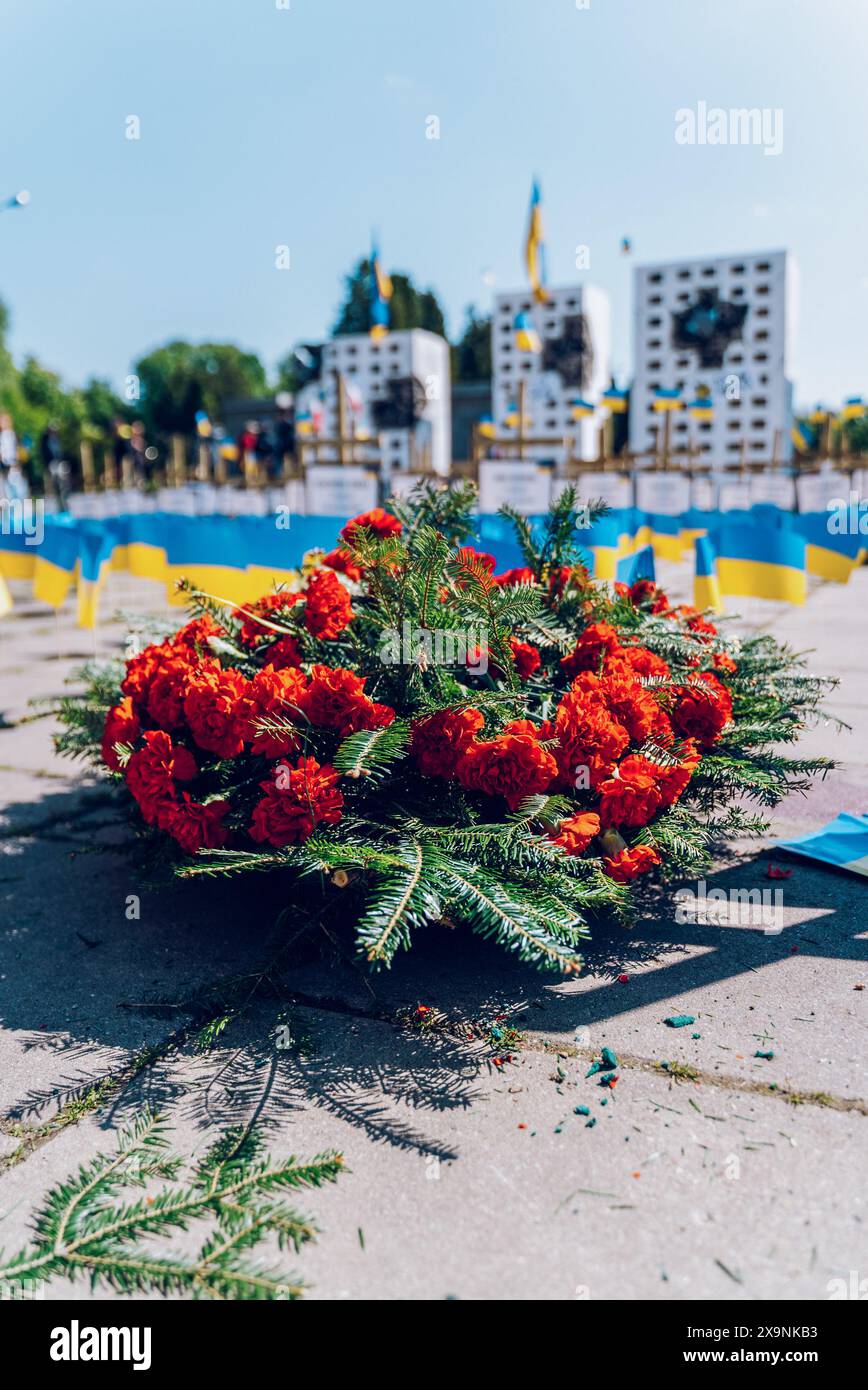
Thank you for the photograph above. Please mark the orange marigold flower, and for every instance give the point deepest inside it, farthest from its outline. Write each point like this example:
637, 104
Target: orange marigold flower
193, 636
168, 689
638, 661
142, 670
439, 741
121, 726
631, 862
214, 712
152, 772
327, 609
299, 799
512, 766
576, 833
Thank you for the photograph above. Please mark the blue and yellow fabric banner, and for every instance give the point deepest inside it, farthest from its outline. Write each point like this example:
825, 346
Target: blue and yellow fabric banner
843, 843
534, 246
635, 567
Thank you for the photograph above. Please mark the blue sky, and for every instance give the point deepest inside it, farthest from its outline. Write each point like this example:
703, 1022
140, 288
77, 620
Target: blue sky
263, 126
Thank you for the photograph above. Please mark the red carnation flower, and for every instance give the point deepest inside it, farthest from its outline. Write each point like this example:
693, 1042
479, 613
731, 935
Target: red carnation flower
142, 670
381, 522
704, 709
637, 661
596, 641
327, 609
214, 712
576, 833
273, 608
588, 738
342, 562
515, 576
336, 699
672, 780
629, 863
526, 657
633, 706
439, 742
271, 693
169, 687
152, 772
305, 796
196, 826
193, 636
121, 726
631, 797
513, 766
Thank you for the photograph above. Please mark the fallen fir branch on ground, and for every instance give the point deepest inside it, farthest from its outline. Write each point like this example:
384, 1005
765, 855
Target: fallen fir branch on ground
88, 1226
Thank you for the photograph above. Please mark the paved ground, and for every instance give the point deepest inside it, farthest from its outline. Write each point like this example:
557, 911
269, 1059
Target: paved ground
466, 1179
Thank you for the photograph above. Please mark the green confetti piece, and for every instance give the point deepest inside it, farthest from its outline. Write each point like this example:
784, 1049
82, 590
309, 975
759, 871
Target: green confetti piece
591, 1122
767, 1056
679, 1020
582, 1110
610, 1061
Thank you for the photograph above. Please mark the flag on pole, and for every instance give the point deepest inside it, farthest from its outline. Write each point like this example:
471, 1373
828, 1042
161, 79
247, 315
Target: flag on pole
701, 408
615, 400
581, 409
802, 437
534, 247
667, 400
486, 427
706, 590
527, 339
381, 293
853, 408
632, 568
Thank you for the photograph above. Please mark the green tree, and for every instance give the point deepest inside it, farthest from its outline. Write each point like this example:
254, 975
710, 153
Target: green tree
471, 355
409, 306
181, 378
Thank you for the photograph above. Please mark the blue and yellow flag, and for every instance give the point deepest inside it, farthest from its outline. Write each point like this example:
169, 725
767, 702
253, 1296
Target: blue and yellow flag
486, 427
527, 339
534, 247
706, 589
843, 843
803, 438
667, 400
580, 409
853, 408
701, 408
758, 561
615, 400
380, 293
632, 568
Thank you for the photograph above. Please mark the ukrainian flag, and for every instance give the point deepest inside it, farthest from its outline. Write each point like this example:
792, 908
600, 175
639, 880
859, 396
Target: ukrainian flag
580, 409
802, 437
827, 554
486, 427
842, 843
701, 408
635, 567
380, 294
706, 589
601, 541
759, 562
818, 416
853, 408
527, 339
534, 247
667, 400
615, 400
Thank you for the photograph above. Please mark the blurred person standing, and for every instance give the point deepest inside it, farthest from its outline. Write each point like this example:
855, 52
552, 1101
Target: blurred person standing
12, 480
54, 465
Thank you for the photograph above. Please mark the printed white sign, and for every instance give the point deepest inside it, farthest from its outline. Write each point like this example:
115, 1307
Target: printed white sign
524, 486
666, 493
334, 489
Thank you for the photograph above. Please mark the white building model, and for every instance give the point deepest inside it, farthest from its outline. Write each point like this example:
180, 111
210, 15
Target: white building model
398, 388
725, 326
575, 334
